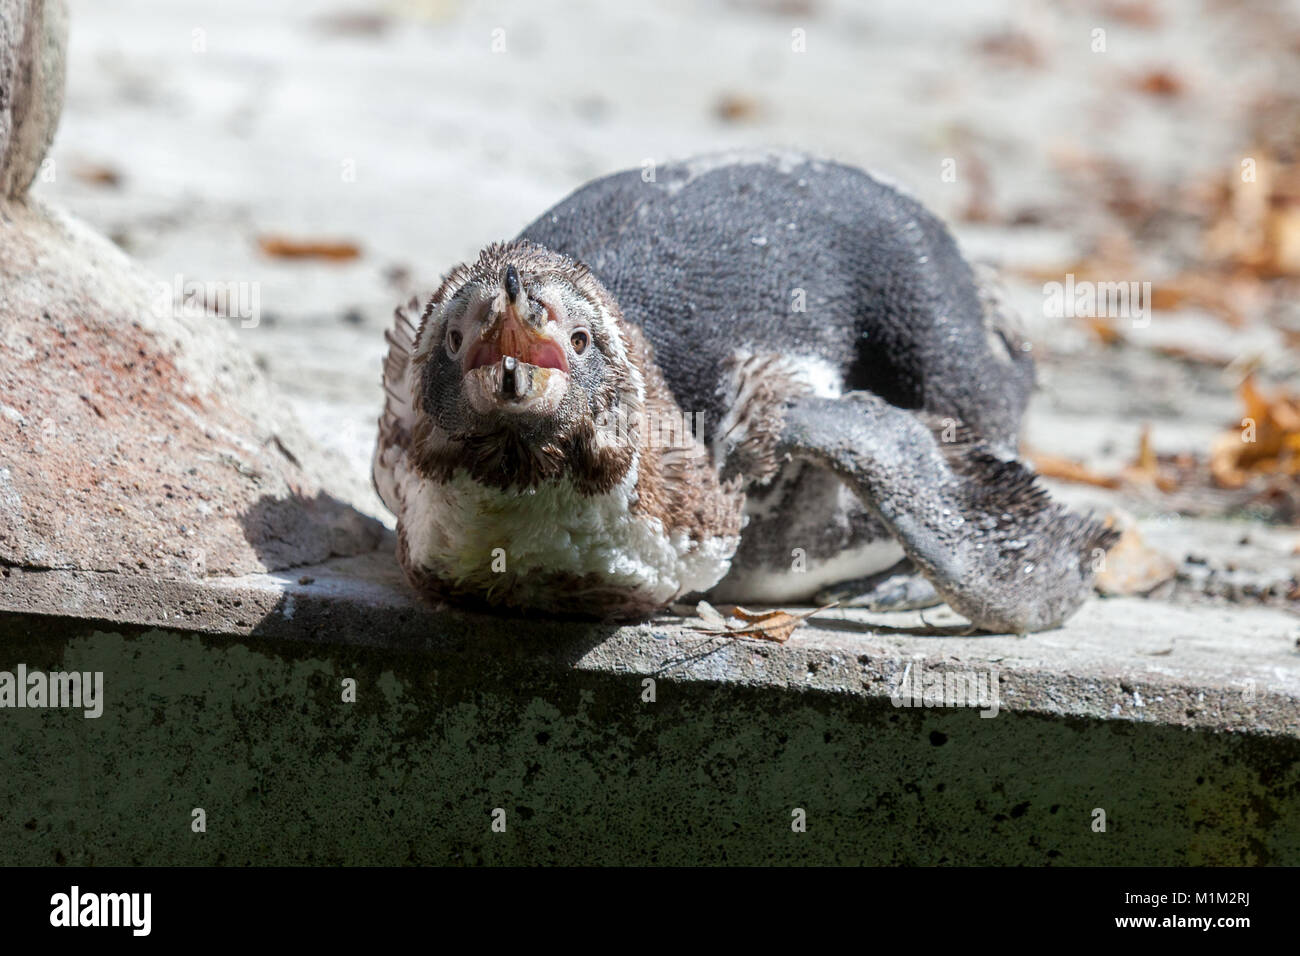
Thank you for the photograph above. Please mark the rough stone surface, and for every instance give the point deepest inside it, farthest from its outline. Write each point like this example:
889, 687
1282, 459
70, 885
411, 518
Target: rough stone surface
134, 435
137, 439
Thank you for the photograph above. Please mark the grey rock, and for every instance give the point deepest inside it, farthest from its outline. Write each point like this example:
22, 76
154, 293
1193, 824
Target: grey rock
33, 40
137, 436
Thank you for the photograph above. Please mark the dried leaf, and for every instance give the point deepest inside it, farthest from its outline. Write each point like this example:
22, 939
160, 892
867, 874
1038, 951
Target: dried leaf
1146, 469
767, 625
1255, 229
1224, 462
1146, 459
1065, 469
980, 206
1284, 239
98, 175
773, 625
1104, 330
281, 247
1013, 48
1160, 83
736, 108
1218, 295
1131, 567
1266, 443
1136, 14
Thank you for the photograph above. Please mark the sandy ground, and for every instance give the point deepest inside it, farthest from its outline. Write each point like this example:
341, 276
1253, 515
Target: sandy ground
420, 130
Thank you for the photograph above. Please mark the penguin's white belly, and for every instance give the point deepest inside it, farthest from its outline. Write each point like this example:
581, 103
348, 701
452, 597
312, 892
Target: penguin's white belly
792, 550
805, 575
484, 539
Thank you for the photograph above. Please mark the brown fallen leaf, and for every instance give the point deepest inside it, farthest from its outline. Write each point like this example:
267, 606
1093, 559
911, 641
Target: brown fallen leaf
1146, 457
281, 247
768, 625
1283, 231
1217, 294
1255, 224
1116, 184
736, 621
1065, 469
736, 108
1111, 259
1266, 443
1137, 14
1131, 567
1146, 469
98, 175
1160, 83
1012, 48
1103, 329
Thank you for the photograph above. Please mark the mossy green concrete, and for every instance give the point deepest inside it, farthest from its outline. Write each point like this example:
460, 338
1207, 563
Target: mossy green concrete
257, 734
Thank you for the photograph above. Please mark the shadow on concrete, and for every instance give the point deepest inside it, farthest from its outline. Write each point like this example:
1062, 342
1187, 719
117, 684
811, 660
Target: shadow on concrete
342, 585
300, 530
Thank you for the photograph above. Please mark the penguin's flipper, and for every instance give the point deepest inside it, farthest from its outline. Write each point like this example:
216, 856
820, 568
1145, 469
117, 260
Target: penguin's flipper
986, 534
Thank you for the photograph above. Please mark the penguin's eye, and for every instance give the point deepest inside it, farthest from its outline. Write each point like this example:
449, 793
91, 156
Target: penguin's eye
454, 338
580, 339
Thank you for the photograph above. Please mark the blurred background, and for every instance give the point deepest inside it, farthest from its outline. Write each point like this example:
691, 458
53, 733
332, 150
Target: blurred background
338, 156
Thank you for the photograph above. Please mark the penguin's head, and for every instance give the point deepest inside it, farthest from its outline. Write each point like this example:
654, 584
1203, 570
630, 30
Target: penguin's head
522, 372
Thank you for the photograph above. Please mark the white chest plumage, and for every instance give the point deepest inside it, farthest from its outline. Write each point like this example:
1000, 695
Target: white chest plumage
485, 540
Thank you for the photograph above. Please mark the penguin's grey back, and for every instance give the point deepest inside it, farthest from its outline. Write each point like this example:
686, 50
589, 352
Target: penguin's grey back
779, 253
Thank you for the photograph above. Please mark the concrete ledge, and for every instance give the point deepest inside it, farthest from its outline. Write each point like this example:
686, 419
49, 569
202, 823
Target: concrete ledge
631, 745
1202, 667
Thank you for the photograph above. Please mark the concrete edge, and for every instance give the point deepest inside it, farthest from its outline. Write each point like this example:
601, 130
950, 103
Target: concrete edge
362, 601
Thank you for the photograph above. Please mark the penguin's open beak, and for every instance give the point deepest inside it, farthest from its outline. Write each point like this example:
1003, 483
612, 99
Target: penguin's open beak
512, 337
514, 359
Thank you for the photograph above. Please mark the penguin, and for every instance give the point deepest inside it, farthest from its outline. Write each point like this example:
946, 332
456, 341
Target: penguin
761, 378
